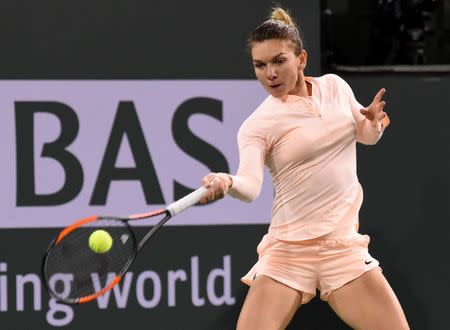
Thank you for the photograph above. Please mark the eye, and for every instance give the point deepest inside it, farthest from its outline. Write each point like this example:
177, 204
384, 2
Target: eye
280, 60
258, 65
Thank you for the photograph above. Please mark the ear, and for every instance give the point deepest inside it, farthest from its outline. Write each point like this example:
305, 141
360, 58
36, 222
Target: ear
303, 59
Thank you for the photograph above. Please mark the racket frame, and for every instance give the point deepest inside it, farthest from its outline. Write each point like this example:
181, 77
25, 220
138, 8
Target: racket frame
66, 231
170, 211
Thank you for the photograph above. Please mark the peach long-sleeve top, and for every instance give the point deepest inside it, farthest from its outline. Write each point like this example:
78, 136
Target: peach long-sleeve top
309, 146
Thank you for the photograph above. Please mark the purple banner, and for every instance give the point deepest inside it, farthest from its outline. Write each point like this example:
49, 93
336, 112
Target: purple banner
96, 105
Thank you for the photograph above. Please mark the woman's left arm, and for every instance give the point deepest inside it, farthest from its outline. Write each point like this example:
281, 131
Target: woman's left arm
371, 120
375, 116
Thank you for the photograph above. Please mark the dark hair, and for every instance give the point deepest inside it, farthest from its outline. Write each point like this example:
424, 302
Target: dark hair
279, 26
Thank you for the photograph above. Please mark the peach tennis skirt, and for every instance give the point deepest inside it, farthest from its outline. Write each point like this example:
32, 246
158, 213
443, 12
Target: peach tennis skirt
325, 263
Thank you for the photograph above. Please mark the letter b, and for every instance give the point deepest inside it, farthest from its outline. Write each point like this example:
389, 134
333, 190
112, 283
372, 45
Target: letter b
26, 185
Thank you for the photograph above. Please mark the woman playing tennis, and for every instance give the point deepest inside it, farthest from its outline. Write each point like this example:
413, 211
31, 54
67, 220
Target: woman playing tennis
305, 132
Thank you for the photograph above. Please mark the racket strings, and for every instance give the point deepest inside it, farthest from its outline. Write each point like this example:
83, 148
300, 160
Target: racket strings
73, 270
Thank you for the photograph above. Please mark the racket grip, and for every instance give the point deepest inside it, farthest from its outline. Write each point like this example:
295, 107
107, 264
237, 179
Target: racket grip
187, 201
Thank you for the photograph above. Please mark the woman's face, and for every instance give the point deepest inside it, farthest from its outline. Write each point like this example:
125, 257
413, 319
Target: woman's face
277, 67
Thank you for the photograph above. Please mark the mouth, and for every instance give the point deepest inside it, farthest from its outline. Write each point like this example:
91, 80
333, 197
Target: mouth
274, 86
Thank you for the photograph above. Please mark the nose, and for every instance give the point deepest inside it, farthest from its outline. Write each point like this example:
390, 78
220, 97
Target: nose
271, 72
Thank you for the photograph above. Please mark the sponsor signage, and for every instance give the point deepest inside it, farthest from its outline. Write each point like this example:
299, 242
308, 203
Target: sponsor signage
75, 148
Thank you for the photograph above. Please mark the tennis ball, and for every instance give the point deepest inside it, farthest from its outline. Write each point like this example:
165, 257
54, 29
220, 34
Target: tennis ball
100, 241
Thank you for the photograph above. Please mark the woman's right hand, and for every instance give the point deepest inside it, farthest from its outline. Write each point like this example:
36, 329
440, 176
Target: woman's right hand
217, 184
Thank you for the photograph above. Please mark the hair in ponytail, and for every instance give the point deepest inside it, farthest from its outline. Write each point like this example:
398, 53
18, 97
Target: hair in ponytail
280, 25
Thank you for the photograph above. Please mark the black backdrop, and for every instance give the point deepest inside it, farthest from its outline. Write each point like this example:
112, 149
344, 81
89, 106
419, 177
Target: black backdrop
406, 179
137, 39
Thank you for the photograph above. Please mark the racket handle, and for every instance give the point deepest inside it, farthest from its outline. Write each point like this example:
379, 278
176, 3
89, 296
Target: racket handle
187, 201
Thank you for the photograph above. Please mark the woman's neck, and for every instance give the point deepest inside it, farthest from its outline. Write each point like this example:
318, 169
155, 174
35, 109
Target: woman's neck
302, 88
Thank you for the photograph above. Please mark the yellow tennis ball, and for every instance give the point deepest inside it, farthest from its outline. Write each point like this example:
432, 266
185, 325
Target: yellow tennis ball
100, 241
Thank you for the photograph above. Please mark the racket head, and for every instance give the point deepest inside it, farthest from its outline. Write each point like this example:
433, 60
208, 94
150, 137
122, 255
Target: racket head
73, 273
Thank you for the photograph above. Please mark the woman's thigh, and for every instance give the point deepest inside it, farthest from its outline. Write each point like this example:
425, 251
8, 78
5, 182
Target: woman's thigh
368, 303
269, 305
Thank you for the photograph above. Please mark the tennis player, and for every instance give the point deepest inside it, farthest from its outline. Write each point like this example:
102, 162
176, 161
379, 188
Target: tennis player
305, 132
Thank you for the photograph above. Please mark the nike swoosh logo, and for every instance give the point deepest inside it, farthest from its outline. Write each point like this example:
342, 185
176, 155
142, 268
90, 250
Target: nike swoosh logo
368, 262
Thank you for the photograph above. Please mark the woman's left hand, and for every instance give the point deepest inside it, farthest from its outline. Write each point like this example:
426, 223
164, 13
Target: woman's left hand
374, 112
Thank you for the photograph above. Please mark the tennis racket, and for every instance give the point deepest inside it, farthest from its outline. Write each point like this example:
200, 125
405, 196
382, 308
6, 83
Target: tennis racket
73, 273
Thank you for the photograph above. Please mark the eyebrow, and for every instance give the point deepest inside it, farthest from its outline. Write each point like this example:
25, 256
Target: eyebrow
273, 58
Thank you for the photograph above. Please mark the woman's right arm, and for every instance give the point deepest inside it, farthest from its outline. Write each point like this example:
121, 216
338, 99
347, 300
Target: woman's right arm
248, 180
246, 184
